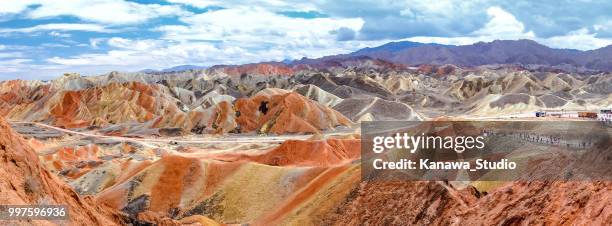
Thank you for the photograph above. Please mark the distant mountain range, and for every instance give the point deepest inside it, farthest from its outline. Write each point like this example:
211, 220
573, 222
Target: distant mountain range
523, 52
526, 53
176, 68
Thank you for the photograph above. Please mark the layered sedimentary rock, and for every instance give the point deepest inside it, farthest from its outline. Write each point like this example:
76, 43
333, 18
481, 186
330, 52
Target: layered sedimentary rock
319, 95
114, 103
399, 203
152, 152
24, 181
376, 109
303, 153
517, 203
260, 69
19, 95
285, 113
179, 187
190, 100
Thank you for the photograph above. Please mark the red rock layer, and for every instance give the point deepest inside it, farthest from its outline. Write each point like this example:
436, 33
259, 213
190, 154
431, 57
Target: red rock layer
73, 161
303, 196
113, 103
23, 181
518, 203
544, 203
287, 113
305, 153
399, 203
259, 69
439, 70
177, 173
18, 93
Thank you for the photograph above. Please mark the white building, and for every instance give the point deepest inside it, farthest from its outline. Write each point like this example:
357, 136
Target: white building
605, 116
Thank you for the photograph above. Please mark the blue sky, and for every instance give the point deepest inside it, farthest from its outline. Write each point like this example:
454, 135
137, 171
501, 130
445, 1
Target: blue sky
41, 39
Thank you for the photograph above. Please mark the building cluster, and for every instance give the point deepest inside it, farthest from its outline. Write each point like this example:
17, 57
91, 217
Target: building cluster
604, 115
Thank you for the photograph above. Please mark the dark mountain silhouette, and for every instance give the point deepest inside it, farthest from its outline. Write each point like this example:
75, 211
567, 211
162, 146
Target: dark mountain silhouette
388, 50
175, 69
523, 52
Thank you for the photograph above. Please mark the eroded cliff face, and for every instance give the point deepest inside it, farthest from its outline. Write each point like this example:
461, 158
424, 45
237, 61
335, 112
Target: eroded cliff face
216, 102
286, 113
23, 181
438, 203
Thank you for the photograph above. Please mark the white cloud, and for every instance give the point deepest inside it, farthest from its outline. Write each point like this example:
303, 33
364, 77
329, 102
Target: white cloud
246, 35
54, 45
503, 25
272, 5
100, 11
59, 27
5, 55
22, 68
130, 55
197, 3
226, 36
128, 44
256, 26
135, 54
13, 65
94, 42
59, 34
422, 10
603, 28
13, 7
580, 39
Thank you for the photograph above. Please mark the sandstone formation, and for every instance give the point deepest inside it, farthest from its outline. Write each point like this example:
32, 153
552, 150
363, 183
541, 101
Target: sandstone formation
518, 203
201, 101
304, 153
24, 181
278, 144
376, 109
285, 113
179, 187
319, 95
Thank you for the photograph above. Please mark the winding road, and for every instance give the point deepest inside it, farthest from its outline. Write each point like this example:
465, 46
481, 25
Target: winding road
194, 140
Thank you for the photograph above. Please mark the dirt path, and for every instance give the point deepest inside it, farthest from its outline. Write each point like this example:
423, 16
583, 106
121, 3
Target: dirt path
207, 140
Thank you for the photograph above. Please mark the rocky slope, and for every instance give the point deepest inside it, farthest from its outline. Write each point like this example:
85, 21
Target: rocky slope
518, 203
206, 101
180, 186
302, 153
285, 113
24, 181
